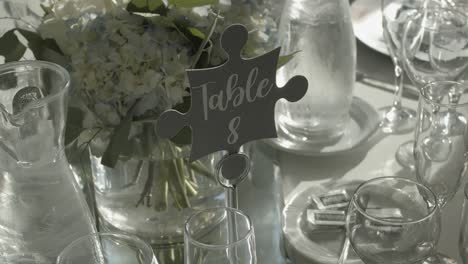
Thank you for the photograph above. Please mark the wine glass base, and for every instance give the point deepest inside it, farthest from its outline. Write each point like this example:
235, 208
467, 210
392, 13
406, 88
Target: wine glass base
397, 120
439, 259
404, 155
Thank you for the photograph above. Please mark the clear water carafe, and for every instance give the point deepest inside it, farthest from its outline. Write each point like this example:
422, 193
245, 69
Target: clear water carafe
41, 208
321, 33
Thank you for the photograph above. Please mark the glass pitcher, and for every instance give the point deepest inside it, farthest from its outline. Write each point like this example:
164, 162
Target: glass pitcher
41, 208
320, 34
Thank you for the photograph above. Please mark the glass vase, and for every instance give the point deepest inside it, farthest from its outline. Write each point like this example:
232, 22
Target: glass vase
152, 196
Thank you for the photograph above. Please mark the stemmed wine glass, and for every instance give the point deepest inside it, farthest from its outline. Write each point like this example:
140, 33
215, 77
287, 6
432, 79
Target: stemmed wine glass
396, 118
441, 146
434, 49
394, 220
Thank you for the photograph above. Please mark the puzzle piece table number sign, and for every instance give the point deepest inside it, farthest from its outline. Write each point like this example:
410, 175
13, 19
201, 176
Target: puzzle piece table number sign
232, 104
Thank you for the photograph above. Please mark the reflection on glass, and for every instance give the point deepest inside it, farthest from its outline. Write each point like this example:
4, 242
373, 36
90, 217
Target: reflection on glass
435, 48
441, 137
321, 34
107, 248
394, 220
463, 242
219, 236
396, 118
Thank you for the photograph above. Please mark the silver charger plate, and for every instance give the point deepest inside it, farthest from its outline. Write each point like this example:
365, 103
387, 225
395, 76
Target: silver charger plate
303, 247
364, 122
366, 17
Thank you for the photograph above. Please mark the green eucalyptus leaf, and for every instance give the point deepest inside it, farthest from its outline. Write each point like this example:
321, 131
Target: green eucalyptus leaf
283, 60
147, 6
154, 4
196, 32
163, 21
35, 42
53, 56
10, 47
139, 3
192, 3
44, 49
118, 143
74, 125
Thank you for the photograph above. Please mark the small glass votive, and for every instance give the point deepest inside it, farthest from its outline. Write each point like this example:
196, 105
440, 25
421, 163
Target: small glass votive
219, 236
107, 248
463, 241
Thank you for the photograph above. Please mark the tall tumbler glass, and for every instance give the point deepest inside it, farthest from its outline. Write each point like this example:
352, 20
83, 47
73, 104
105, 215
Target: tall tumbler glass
441, 136
107, 248
219, 236
463, 241
321, 33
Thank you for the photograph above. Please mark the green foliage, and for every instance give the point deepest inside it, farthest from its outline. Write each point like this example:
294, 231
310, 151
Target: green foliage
11, 48
43, 49
147, 6
159, 6
140, 3
47, 49
192, 3
74, 126
196, 32
154, 4
118, 143
283, 60
204, 43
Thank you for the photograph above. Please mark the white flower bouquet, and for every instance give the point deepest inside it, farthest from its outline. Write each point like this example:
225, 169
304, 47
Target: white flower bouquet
127, 62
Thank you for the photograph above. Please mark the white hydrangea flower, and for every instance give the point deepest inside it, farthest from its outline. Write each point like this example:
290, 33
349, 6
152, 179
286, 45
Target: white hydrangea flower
107, 112
118, 59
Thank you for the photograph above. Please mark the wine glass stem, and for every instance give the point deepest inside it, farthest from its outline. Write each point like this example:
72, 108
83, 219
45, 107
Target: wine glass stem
399, 78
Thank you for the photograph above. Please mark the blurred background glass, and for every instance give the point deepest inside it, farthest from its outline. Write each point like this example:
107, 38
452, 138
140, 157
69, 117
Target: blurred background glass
394, 220
107, 248
441, 137
220, 236
463, 241
396, 118
435, 49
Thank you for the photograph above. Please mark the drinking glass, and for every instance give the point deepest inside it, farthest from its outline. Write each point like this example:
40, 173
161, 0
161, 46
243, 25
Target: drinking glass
442, 137
107, 248
219, 236
394, 220
321, 33
434, 49
463, 242
396, 118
